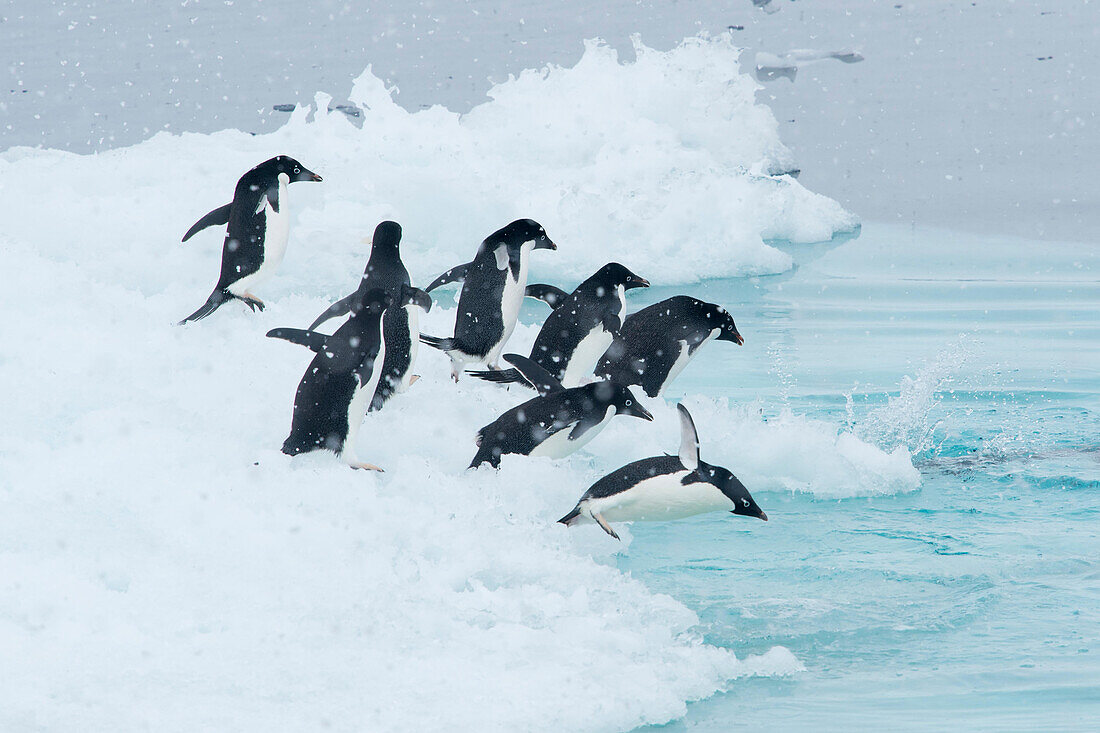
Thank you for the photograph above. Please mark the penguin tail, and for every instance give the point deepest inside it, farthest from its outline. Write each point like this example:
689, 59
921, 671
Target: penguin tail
504, 376
438, 343
572, 517
217, 299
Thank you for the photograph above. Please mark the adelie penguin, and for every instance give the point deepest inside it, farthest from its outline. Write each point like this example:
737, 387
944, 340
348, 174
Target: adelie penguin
581, 328
492, 292
256, 239
337, 387
664, 488
656, 343
557, 422
400, 324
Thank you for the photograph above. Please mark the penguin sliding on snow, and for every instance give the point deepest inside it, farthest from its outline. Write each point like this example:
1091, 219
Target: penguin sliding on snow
581, 328
557, 422
488, 306
259, 226
337, 387
400, 324
664, 488
656, 343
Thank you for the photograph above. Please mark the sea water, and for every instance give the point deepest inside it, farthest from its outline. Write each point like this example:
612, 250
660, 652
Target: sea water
972, 601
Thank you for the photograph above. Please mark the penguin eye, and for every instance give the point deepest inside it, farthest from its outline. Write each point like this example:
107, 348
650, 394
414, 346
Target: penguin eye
628, 403
745, 502
296, 169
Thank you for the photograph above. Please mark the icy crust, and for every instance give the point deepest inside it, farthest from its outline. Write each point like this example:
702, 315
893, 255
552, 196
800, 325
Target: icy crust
163, 566
665, 163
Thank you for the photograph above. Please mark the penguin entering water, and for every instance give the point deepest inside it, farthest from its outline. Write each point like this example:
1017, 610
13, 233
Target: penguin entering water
259, 226
488, 306
664, 488
557, 422
580, 329
337, 387
400, 324
656, 343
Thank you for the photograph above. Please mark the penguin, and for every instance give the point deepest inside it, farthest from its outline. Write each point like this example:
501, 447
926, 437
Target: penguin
656, 343
664, 488
492, 291
557, 422
550, 294
400, 325
336, 389
259, 225
580, 329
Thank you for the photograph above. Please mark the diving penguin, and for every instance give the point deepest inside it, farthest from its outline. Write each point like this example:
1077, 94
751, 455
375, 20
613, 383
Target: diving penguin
492, 292
656, 343
259, 226
664, 488
557, 422
400, 324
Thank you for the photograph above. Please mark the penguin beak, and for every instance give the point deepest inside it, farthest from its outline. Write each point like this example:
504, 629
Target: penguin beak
735, 337
545, 243
315, 177
638, 411
640, 282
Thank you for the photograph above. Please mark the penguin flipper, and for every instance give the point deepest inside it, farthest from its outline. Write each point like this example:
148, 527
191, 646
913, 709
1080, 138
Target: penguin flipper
458, 272
585, 424
217, 217
337, 309
416, 296
312, 339
216, 300
551, 295
443, 344
689, 440
533, 374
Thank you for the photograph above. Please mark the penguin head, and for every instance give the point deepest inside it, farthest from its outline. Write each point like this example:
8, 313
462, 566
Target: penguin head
720, 318
735, 491
613, 274
387, 236
519, 233
294, 170
621, 398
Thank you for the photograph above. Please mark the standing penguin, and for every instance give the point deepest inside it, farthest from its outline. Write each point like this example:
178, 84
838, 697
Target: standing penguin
259, 226
400, 324
557, 422
581, 328
488, 306
656, 343
335, 391
664, 488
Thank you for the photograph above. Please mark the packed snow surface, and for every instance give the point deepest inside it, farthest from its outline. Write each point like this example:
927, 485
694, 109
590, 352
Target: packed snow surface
163, 565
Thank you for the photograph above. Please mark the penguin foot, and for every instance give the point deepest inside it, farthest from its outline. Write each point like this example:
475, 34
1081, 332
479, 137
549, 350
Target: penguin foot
252, 301
367, 467
413, 378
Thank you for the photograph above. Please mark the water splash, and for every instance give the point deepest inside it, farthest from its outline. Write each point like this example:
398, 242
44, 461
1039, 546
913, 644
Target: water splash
908, 419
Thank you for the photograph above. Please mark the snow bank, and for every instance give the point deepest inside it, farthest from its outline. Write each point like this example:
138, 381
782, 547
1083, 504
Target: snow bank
163, 566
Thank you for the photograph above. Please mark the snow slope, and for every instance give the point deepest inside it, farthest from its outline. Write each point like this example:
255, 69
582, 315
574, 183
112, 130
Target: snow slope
163, 565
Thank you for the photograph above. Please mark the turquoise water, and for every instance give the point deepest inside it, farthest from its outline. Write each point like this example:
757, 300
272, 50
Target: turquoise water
973, 601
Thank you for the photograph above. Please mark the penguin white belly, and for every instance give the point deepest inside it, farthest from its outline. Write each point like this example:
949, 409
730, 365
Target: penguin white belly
511, 300
414, 343
276, 236
558, 445
660, 498
360, 401
686, 355
586, 356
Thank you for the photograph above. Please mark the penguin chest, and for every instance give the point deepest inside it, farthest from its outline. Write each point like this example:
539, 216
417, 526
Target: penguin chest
588, 352
360, 401
686, 355
660, 498
273, 248
559, 445
512, 298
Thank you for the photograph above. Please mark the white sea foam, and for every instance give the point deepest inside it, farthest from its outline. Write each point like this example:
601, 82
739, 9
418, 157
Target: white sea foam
163, 566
